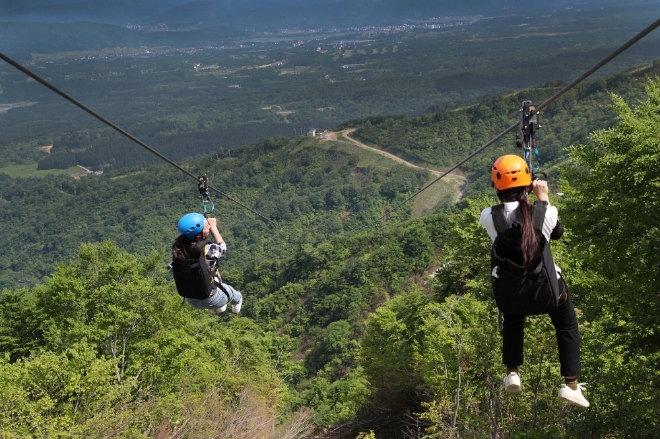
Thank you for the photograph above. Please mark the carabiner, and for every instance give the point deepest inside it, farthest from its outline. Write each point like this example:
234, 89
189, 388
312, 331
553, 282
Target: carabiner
203, 188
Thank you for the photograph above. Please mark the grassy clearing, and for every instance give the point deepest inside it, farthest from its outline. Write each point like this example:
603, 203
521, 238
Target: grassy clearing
367, 158
27, 171
442, 191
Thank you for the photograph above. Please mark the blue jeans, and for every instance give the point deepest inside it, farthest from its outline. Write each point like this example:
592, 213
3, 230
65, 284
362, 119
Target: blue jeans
217, 299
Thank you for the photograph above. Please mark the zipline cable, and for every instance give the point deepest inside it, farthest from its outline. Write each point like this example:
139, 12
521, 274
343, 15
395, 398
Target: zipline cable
553, 98
120, 130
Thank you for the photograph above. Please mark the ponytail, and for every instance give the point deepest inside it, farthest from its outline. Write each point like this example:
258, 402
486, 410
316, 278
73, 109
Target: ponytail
529, 246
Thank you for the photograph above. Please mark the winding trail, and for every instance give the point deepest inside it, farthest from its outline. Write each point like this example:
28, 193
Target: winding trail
460, 189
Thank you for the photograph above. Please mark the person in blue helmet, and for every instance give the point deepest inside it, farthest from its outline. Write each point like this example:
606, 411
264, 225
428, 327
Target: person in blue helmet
194, 230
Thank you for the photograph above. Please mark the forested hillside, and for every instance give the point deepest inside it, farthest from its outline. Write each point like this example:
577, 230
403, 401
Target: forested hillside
443, 137
351, 335
313, 190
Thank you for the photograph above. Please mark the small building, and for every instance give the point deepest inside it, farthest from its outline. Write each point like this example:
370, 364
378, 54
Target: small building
313, 131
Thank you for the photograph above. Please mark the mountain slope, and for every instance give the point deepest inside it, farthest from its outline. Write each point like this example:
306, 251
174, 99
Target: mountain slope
313, 190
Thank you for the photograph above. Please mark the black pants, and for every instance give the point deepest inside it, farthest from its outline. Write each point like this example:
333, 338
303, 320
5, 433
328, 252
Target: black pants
568, 337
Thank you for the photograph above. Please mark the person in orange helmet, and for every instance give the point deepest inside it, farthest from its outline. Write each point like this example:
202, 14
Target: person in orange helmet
512, 180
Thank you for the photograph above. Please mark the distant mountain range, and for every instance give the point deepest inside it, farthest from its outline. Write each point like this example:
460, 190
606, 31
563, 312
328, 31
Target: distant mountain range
261, 14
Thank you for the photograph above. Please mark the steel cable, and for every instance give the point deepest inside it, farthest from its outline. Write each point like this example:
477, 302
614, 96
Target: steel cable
43, 82
613, 55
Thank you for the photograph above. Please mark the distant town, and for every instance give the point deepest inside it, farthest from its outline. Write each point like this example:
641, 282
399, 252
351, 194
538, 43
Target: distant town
360, 35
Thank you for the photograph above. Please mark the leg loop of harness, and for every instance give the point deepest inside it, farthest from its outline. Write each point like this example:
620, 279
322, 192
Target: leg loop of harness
218, 282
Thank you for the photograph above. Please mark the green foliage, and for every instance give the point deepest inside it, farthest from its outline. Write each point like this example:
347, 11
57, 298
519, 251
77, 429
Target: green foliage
612, 192
465, 263
307, 187
388, 346
443, 137
335, 402
104, 345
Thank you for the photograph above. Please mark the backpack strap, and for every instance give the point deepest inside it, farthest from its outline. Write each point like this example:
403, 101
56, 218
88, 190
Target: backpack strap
538, 214
199, 246
198, 249
499, 220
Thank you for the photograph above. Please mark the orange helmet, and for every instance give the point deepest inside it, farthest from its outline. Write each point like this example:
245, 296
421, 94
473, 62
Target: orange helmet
510, 171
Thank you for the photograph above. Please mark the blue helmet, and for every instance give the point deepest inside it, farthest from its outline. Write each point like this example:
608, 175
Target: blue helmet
191, 225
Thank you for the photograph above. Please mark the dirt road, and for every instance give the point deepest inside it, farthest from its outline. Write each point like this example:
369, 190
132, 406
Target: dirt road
398, 159
4, 108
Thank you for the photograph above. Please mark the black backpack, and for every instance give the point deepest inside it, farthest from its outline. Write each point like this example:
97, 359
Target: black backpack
192, 277
518, 290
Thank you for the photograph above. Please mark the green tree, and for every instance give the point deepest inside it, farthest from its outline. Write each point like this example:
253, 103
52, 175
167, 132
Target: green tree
112, 351
612, 198
388, 345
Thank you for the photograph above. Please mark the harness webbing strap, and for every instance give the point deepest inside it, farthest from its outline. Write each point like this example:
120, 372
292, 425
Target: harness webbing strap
499, 220
200, 246
538, 214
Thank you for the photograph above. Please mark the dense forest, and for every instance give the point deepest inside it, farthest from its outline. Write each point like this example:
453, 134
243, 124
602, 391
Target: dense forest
312, 190
351, 327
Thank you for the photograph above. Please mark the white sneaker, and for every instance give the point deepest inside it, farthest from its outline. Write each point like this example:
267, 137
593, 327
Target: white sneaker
237, 308
512, 383
574, 396
223, 308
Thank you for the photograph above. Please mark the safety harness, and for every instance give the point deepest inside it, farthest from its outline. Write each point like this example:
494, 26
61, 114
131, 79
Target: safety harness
522, 290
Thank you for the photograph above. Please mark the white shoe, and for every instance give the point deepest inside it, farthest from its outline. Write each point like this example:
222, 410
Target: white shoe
237, 308
574, 396
512, 383
223, 308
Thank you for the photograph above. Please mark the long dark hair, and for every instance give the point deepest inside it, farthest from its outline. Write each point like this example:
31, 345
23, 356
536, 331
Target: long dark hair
181, 247
529, 246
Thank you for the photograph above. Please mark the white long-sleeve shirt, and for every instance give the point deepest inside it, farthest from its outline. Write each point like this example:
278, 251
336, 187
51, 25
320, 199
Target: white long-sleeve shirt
549, 222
